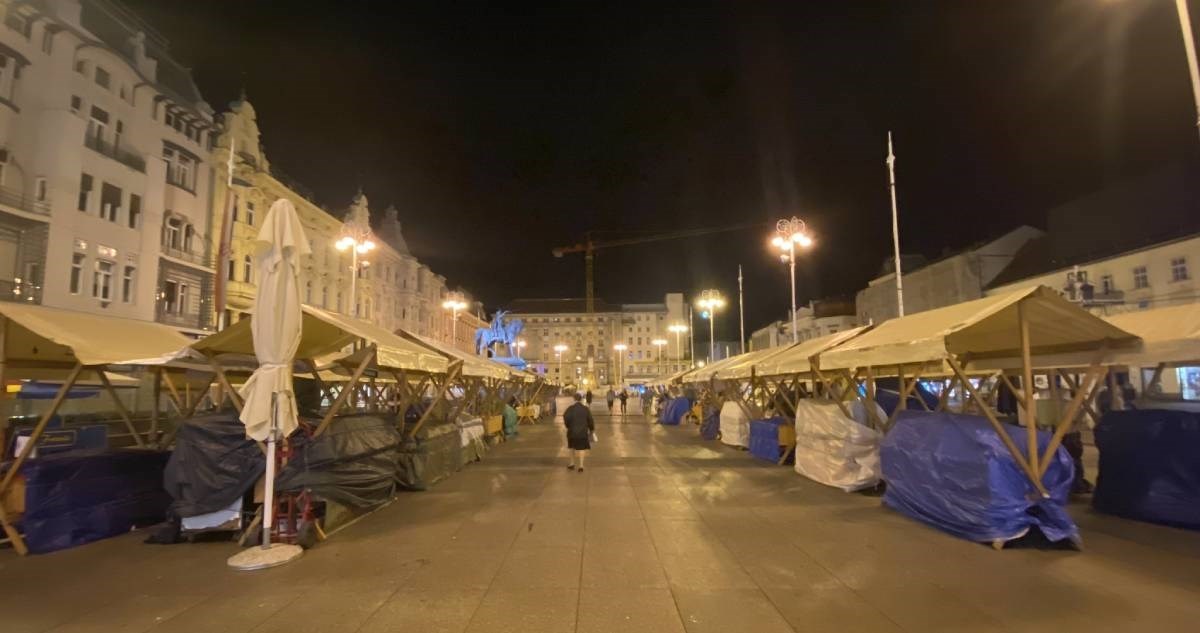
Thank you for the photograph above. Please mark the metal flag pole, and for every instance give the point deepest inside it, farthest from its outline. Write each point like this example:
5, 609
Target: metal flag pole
891, 163
691, 337
225, 241
741, 314
1189, 45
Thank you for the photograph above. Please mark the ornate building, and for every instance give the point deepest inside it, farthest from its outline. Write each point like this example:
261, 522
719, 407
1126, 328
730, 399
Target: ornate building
392, 289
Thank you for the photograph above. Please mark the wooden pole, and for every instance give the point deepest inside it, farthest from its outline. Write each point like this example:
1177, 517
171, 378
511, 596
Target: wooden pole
999, 428
27, 449
345, 393
1027, 383
452, 374
223, 380
157, 395
119, 405
1091, 379
176, 400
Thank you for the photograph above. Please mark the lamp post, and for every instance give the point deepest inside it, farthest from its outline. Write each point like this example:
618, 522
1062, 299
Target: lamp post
558, 352
454, 302
789, 233
520, 345
620, 349
710, 301
677, 329
358, 242
659, 343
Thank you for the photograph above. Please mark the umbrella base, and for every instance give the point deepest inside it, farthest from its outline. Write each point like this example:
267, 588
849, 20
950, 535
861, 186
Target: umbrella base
273, 555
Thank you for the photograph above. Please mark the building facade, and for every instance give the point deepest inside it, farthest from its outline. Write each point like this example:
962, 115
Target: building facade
390, 287
960, 277
104, 194
818, 318
590, 339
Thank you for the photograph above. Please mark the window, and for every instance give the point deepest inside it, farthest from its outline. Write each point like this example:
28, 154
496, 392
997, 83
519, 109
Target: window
39, 189
1106, 284
324, 297
249, 213
182, 303
247, 268
103, 79
1140, 278
231, 273
1179, 271
180, 168
77, 260
127, 284
8, 76
76, 104
110, 202
170, 296
81, 66
102, 280
97, 124
174, 233
235, 209
135, 211
85, 192
188, 234
119, 131
308, 292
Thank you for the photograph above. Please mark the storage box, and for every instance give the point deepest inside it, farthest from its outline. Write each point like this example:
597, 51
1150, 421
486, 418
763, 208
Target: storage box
493, 424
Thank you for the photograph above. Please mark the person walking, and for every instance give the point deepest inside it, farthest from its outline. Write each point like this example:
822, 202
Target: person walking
624, 399
588, 398
580, 426
611, 396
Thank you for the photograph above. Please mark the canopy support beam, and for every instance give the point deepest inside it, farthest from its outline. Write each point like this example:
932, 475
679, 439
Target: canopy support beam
346, 391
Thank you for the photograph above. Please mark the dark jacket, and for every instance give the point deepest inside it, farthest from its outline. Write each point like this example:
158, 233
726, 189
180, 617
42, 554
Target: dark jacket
578, 419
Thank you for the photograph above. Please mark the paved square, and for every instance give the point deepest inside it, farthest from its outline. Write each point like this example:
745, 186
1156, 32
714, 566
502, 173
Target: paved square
662, 532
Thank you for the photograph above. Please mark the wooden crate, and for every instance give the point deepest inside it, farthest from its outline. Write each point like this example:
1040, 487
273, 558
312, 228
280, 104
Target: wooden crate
493, 424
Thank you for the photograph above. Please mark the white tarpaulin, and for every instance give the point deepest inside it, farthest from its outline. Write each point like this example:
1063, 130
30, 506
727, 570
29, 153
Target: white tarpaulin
984, 328
797, 358
37, 333
473, 365
834, 450
735, 425
276, 327
1169, 335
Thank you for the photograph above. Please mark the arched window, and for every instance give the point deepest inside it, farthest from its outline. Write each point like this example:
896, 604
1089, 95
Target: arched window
248, 269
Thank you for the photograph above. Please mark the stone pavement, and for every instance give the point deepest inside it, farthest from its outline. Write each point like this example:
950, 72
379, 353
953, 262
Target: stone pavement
662, 533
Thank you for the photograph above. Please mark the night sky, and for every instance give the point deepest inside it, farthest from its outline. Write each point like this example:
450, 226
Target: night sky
500, 132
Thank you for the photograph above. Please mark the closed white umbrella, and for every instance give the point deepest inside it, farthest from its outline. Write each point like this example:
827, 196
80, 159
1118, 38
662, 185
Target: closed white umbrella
269, 411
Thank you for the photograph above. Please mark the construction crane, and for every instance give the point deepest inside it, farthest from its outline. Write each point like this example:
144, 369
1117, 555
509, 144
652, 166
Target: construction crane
589, 246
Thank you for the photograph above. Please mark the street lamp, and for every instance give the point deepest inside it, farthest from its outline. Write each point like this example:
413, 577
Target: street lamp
710, 301
520, 345
659, 343
790, 233
358, 242
620, 349
677, 329
454, 302
558, 352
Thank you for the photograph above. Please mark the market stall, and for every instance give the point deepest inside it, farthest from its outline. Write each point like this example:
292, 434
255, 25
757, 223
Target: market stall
69, 345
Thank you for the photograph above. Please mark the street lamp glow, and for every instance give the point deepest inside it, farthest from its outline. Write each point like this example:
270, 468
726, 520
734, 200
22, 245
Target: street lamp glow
677, 329
620, 349
710, 301
520, 345
358, 242
559, 349
789, 233
454, 302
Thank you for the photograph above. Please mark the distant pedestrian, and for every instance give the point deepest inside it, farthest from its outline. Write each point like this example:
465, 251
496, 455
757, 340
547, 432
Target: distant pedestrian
580, 426
611, 397
588, 398
510, 417
624, 399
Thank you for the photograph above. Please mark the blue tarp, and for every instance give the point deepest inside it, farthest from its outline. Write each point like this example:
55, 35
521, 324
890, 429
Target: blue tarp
77, 498
887, 394
1150, 466
953, 472
675, 410
764, 438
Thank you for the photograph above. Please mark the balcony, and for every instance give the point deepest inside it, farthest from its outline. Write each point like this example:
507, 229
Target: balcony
199, 259
115, 152
19, 291
24, 203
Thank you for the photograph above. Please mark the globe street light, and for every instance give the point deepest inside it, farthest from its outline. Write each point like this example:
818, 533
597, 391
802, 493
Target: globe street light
558, 352
677, 328
620, 349
454, 302
710, 301
659, 343
358, 242
790, 233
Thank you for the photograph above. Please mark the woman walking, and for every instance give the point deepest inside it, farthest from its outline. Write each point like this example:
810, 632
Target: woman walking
580, 425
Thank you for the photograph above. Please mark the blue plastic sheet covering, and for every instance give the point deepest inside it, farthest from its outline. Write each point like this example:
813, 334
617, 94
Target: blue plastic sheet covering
764, 438
710, 426
73, 499
1150, 466
953, 472
675, 410
887, 395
